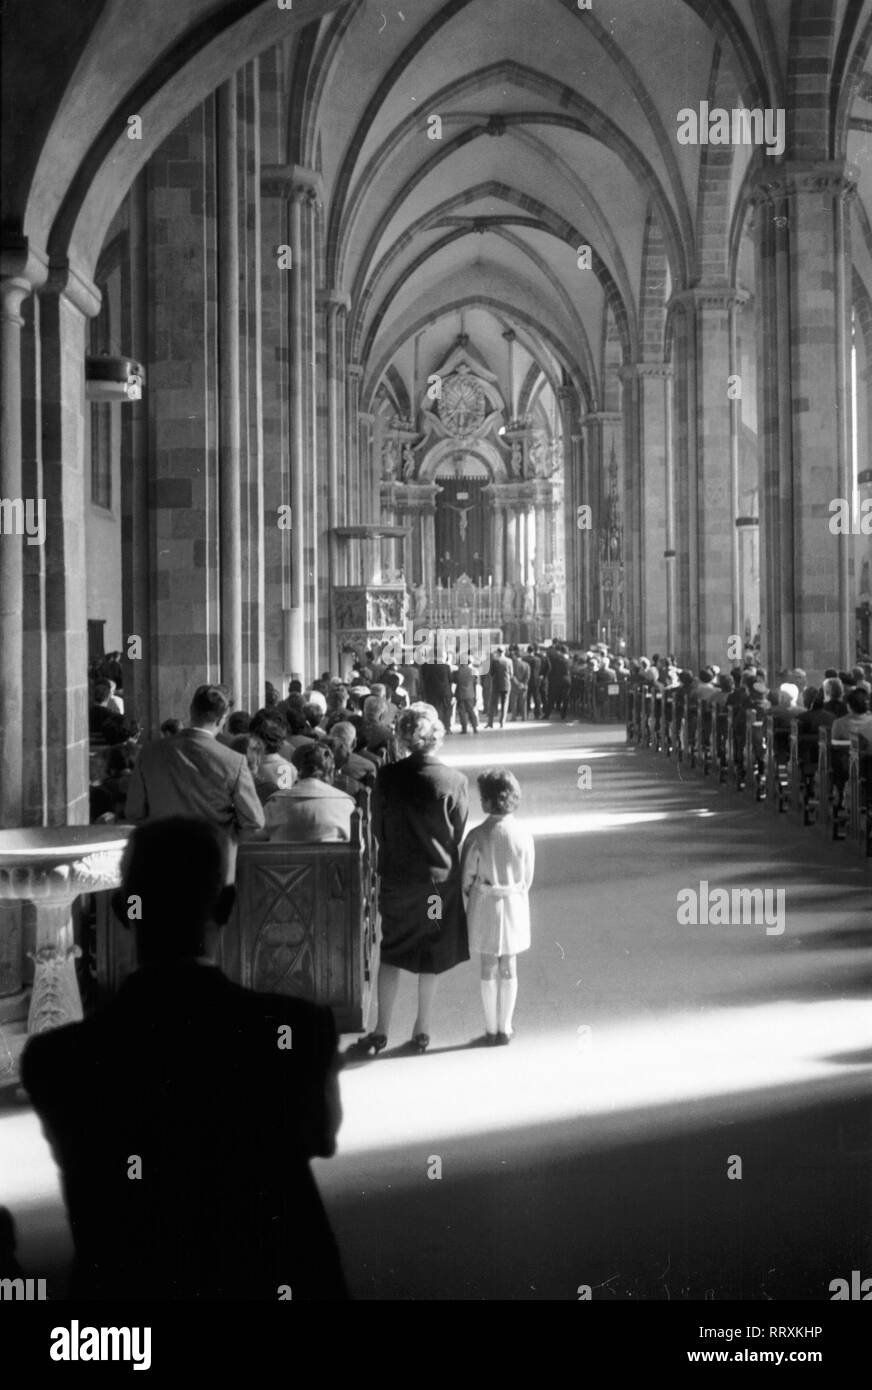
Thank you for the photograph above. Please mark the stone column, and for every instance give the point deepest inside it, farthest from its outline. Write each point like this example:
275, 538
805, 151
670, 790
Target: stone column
712, 538
66, 301
512, 544
352, 456
599, 426
295, 658
229, 425
20, 272
499, 544
336, 307
647, 492
803, 263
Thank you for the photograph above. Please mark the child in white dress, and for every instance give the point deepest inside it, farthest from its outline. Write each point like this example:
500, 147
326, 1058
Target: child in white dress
497, 874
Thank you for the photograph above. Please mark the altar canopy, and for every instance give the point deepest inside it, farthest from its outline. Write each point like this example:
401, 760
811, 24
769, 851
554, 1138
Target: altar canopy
479, 487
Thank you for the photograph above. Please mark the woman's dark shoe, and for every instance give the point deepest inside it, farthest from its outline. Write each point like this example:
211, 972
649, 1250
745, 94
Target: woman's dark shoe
503, 1039
370, 1045
421, 1041
486, 1040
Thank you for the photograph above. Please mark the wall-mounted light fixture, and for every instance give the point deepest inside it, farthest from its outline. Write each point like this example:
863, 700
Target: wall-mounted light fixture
113, 379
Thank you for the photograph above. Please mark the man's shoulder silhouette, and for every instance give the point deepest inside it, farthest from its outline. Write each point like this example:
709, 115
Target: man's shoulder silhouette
218, 1093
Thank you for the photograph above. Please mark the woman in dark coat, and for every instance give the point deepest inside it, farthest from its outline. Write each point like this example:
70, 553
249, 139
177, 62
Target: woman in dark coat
419, 811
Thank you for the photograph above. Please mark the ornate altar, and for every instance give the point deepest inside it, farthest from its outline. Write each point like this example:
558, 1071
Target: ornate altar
364, 614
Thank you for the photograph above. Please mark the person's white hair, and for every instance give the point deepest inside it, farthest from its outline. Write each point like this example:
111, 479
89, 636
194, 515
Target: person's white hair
315, 697
373, 707
419, 729
788, 694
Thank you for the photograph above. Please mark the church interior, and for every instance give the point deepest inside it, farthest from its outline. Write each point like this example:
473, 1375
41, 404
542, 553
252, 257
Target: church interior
327, 324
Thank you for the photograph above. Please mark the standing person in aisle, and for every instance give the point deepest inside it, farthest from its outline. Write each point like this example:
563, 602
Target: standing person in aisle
497, 869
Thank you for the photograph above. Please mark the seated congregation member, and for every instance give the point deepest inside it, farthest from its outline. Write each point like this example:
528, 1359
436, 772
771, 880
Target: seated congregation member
858, 720
298, 734
378, 732
193, 774
239, 722
170, 727
104, 721
834, 697
253, 751
182, 1070
707, 690
419, 810
814, 716
312, 809
362, 769
274, 767
342, 780
497, 874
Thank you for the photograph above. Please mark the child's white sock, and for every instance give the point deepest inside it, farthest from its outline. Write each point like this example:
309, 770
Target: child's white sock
489, 1001
508, 996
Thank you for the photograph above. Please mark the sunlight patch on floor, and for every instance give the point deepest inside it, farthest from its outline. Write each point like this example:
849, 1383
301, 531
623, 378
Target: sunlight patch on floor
583, 1072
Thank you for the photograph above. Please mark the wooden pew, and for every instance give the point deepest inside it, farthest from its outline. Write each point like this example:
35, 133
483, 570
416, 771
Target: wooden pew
832, 778
305, 923
670, 724
722, 742
755, 755
647, 715
691, 725
801, 770
704, 727
858, 798
777, 760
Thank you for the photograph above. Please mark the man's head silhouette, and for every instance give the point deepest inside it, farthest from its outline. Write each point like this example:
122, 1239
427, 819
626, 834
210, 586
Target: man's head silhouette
172, 889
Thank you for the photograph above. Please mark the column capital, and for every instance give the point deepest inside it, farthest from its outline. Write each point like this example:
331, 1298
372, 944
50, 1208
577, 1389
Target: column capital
710, 296
291, 181
795, 177
355, 370
82, 293
602, 417
23, 269
633, 370
331, 300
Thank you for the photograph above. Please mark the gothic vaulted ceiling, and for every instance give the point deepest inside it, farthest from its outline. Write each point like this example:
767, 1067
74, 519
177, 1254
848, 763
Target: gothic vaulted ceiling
470, 151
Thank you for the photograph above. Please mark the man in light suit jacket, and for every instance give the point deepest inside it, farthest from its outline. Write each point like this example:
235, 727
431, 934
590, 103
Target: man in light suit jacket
195, 775
501, 671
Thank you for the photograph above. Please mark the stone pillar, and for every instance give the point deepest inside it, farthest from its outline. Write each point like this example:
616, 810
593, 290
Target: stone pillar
182, 400
499, 519
336, 307
136, 571
229, 427
20, 272
601, 427
647, 492
512, 544
295, 659
803, 264
711, 540
353, 473
67, 300
541, 524
277, 278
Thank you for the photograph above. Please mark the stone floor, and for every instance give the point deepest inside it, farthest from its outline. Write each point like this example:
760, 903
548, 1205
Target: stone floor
651, 1061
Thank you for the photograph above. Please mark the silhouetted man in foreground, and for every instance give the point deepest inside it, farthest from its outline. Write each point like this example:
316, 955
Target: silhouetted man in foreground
183, 1115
